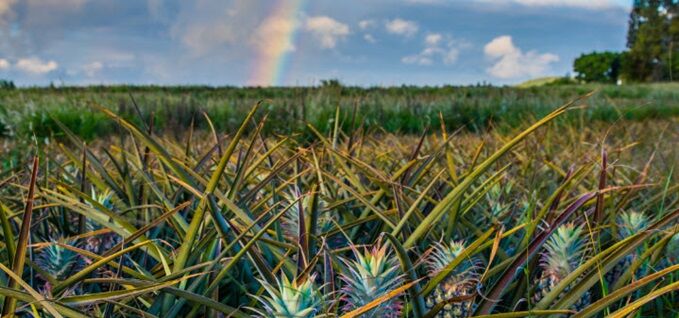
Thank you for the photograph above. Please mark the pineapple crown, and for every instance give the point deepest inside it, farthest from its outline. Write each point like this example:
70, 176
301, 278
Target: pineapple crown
103, 198
496, 198
291, 299
564, 250
374, 273
443, 254
630, 223
58, 261
290, 221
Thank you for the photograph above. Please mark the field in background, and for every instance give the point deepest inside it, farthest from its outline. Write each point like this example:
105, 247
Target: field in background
33, 111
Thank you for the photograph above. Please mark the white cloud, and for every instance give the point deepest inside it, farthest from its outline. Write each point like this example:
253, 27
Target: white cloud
202, 38
91, 69
500, 46
28, 26
591, 4
451, 56
433, 38
6, 6
271, 37
366, 24
402, 27
423, 58
437, 47
583, 4
428, 56
511, 62
222, 29
4, 64
327, 30
70, 4
35, 65
6, 10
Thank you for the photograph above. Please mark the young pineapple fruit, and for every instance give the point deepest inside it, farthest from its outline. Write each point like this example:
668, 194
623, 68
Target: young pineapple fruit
325, 222
101, 243
59, 262
564, 252
498, 200
291, 217
462, 281
290, 299
629, 223
498, 203
374, 273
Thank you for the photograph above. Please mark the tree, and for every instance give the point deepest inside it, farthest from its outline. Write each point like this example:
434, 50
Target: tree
7, 84
333, 82
673, 45
652, 34
601, 67
635, 18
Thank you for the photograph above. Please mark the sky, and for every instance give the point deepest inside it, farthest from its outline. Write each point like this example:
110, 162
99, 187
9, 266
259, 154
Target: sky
300, 42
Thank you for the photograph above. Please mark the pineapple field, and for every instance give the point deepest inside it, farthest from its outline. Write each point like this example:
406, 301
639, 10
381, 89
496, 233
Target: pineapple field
455, 202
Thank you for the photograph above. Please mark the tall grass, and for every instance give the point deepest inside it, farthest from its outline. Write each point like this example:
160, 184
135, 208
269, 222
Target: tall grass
33, 111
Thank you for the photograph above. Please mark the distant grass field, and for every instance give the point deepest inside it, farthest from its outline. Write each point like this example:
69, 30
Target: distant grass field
34, 111
537, 82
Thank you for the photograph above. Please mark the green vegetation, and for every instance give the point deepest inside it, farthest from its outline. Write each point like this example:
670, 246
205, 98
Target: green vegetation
556, 197
34, 111
535, 209
652, 39
652, 43
5, 84
537, 82
601, 67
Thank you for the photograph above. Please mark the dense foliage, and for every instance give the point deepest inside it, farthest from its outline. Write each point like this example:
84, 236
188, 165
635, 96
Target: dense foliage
602, 67
652, 48
29, 112
653, 41
6, 84
545, 218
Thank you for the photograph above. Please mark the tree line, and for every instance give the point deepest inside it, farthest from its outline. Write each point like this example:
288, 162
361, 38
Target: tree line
652, 53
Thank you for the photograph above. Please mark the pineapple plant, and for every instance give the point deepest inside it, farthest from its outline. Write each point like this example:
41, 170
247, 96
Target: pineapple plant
629, 223
498, 200
290, 299
291, 218
104, 198
462, 281
101, 243
373, 273
325, 222
58, 262
564, 252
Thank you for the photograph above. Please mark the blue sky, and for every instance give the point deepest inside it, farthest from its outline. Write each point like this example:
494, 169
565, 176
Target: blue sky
299, 42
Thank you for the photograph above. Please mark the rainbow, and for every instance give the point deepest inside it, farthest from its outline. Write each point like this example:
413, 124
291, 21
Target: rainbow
275, 38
